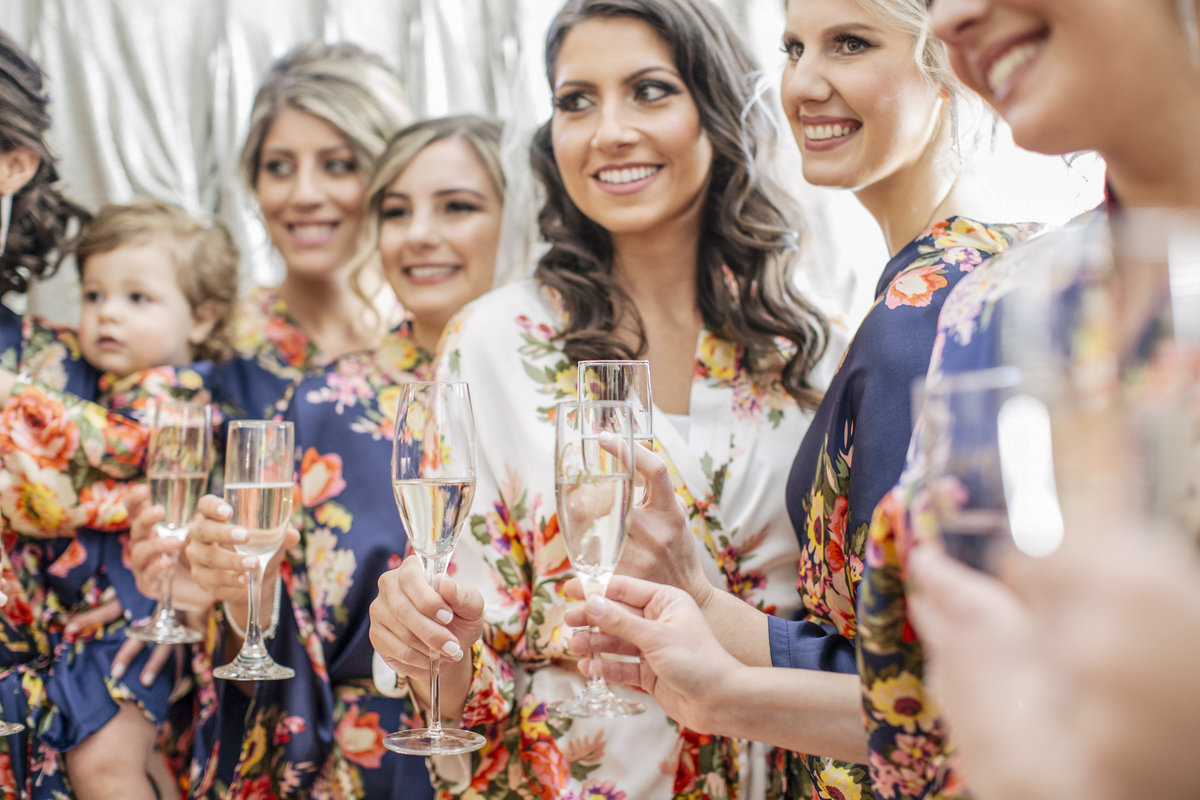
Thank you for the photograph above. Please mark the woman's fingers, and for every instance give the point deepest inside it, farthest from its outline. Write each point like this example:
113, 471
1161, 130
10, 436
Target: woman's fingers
101, 615
410, 621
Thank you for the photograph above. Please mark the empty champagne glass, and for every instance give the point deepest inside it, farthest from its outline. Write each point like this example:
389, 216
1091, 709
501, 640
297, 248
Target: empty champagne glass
628, 381
260, 464
177, 465
593, 474
433, 479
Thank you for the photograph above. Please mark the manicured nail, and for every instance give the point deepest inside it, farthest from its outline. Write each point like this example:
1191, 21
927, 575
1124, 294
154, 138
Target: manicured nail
444, 616
148, 678
452, 651
71, 629
225, 510
250, 562
118, 672
239, 535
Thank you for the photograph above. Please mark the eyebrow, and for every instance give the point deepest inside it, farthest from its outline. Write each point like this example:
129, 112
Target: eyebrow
849, 27
630, 78
438, 193
324, 151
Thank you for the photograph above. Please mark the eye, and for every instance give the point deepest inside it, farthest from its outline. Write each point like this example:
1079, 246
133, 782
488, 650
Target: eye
139, 297
92, 296
651, 91
461, 207
394, 212
793, 48
571, 102
278, 168
850, 44
340, 166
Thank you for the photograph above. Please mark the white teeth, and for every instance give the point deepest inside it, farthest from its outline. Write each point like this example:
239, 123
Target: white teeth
420, 273
312, 228
819, 133
1003, 68
626, 174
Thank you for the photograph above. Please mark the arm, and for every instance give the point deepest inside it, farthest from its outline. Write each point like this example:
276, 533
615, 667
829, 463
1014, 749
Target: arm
698, 682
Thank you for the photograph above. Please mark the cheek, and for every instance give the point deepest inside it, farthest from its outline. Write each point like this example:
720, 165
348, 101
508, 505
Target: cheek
391, 244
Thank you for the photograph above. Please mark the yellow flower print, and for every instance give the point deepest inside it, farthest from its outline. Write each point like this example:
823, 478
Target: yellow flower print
902, 702
333, 515
254, 748
564, 380
35, 500
389, 400
838, 782
720, 357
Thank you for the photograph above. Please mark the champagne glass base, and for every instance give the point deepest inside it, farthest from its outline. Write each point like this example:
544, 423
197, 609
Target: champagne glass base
421, 742
241, 671
587, 705
163, 633
9, 728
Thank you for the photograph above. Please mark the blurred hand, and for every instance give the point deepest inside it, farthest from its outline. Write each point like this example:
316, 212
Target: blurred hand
410, 621
660, 545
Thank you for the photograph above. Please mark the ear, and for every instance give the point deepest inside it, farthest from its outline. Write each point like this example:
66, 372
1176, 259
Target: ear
204, 318
17, 167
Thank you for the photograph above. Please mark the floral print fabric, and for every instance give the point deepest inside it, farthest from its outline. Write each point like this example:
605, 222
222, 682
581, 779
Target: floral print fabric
865, 421
730, 470
911, 755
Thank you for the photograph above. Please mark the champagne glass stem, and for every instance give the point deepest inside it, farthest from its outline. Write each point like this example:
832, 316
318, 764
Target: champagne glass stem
252, 645
595, 682
168, 581
434, 569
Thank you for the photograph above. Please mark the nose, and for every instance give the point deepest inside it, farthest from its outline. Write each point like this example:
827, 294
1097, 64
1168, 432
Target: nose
614, 131
306, 188
804, 81
110, 308
424, 232
954, 21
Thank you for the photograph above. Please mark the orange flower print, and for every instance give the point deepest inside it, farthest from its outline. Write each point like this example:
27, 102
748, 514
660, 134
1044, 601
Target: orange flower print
37, 424
915, 287
320, 477
102, 506
549, 549
72, 557
492, 764
550, 768
361, 738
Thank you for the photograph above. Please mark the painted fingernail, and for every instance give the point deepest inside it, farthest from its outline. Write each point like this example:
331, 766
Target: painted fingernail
239, 535
444, 616
148, 678
250, 562
118, 672
71, 629
452, 651
225, 510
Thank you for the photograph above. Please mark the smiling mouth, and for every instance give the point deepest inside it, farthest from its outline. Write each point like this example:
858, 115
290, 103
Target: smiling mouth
431, 272
1002, 69
312, 231
824, 133
623, 175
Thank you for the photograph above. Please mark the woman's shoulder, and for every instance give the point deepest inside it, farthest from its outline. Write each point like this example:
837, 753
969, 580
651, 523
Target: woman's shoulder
515, 307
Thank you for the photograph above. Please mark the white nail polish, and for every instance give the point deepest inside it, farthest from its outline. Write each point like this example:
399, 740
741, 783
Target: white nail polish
444, 616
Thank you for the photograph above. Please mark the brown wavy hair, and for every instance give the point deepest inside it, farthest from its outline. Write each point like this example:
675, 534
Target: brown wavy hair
748, 243
42, 218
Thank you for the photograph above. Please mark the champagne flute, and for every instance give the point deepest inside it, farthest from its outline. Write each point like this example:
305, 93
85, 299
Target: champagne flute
177, 465
628, 381
433, 480
260, 464
593, 471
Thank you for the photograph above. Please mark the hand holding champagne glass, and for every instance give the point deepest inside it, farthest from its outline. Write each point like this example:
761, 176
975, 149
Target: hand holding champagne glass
177, 465
593, 473
260, 463
627, 381
433, 479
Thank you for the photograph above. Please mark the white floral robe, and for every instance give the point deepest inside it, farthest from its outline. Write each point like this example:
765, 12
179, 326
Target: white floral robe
731, 468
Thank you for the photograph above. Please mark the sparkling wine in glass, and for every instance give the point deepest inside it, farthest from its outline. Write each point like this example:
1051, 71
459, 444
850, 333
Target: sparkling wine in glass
627, 381
260, 464
593, 474
433, 480
177, 465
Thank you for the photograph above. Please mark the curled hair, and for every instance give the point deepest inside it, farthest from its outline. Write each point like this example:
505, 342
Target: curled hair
747, 248
480, 134
42, 218
204, 258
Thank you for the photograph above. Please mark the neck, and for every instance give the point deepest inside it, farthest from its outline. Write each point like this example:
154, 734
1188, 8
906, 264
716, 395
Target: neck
427, 333
917, 194
332, 315
659, 268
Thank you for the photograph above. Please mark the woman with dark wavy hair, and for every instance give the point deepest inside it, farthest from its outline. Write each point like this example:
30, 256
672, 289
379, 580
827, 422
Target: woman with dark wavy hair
669, 241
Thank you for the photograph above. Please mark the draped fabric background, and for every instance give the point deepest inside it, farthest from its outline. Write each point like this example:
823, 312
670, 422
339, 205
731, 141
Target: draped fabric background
152, 97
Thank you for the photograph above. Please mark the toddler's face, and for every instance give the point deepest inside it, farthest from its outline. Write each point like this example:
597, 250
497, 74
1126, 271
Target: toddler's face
134, 314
